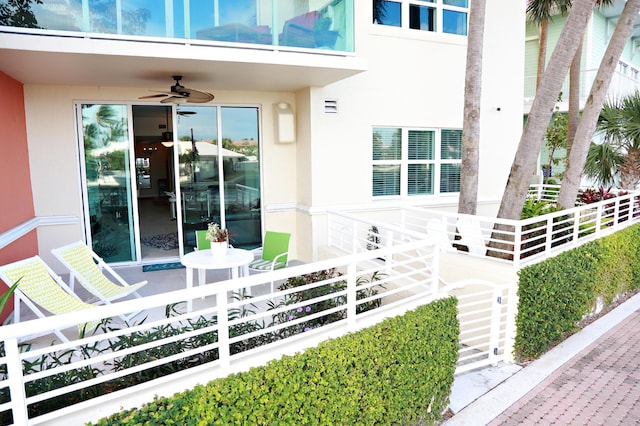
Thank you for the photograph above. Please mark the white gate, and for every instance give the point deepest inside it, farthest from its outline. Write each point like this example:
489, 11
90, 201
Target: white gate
486, 312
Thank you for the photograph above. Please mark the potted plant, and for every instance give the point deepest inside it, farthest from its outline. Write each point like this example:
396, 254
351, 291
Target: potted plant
219, 238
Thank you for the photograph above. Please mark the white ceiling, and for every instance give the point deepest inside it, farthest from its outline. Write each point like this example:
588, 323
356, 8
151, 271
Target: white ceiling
39, 59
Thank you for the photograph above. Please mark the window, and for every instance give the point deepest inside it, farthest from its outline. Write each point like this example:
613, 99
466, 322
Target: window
414, 162
445, 16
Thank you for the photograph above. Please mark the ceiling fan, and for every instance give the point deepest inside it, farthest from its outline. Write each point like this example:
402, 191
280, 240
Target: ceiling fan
178, 94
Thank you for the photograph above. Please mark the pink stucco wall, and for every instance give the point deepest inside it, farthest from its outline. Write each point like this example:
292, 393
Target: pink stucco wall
16, 199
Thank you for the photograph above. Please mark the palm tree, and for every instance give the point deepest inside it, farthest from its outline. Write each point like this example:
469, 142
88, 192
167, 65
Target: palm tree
525, 160
619, 154
540, 12
594, 104
468, 200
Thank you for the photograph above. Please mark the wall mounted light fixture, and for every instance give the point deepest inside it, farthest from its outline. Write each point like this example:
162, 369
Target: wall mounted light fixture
284, 123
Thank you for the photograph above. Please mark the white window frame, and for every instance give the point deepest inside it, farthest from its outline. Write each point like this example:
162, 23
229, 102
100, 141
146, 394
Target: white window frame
404, 162
438, 5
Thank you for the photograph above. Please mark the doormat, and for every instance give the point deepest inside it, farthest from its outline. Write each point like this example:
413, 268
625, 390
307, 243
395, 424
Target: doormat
162, 241
162, 266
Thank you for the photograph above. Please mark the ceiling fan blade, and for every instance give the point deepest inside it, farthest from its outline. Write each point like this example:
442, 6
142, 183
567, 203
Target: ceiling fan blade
153, 96
172, 99
197, 96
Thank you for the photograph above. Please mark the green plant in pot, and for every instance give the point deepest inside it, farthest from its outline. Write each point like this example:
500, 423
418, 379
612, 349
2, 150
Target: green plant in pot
219, 238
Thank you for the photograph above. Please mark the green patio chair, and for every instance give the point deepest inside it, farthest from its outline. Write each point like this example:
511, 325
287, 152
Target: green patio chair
201, 240
89, 269
39, 287
275, 253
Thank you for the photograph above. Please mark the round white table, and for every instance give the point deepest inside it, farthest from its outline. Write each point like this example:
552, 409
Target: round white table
201, 260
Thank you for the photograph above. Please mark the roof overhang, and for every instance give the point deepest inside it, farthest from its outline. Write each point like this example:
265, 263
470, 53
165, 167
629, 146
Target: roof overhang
83, 61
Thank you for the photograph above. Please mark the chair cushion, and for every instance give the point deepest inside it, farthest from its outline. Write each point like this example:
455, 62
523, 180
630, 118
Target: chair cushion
265, 265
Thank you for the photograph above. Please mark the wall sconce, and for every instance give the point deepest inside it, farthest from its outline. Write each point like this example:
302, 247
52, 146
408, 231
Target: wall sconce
284, 123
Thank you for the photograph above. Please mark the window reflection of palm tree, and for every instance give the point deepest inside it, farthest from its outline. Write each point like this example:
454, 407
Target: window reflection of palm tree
379, 10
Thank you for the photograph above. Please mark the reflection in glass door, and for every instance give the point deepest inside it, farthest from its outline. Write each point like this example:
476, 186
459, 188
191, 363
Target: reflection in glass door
108, 189
213, 174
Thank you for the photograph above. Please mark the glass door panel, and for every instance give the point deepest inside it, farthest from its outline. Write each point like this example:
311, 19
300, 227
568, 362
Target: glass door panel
203, 164
241, 175
107, 163
197, 170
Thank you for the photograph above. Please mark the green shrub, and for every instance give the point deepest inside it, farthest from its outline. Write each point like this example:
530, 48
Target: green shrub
556, 294
397, 372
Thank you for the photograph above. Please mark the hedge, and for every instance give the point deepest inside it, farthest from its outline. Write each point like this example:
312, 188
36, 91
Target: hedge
399, 371
556, 294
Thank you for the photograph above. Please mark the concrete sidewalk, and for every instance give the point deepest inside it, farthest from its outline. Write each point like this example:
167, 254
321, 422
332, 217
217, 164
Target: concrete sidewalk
590, 378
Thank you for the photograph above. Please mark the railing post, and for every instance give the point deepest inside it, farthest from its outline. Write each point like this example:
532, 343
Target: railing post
517, 244
548, 237
224, 352
510, 321
354, 237
16, 385
599, 218
494, 337
352, 295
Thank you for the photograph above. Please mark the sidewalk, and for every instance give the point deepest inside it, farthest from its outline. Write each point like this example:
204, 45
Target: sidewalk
591, 378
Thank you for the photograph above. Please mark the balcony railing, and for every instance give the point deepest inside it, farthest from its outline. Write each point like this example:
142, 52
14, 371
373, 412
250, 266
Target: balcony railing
225, 332
621, 85
326, 24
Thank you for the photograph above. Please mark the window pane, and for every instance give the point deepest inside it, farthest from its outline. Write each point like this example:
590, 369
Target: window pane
422, 18
459, 3
420, 179
421, 144
450, 178
386, 13
451, 145
387, 144
454, 22
386, 180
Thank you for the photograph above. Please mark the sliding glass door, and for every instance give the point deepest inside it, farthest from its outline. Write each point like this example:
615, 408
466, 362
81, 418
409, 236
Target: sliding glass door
219, 173
107, 169
155, 174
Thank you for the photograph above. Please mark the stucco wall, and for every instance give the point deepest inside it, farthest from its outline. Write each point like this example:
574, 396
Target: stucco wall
16, 206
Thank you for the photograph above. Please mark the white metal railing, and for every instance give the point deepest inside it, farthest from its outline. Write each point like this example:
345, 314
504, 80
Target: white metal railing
230, 335
530, 240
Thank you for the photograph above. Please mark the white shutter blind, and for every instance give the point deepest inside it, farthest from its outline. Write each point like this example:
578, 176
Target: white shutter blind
451, 145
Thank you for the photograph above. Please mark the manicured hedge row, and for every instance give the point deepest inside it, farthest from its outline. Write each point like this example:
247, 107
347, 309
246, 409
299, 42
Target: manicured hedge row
556, 294
397, 372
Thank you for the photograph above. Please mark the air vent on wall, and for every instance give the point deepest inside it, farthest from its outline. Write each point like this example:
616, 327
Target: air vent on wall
331, 106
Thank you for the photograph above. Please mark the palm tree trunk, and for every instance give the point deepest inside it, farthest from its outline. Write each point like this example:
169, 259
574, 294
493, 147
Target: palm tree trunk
468, 199
630, 170
593, 106
524, 163
542, 50
573, 115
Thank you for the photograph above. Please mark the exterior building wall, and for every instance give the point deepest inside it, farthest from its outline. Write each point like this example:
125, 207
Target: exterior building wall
413, 79
16, 205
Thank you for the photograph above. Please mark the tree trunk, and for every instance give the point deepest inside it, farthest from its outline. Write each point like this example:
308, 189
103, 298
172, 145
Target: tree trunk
525, 160
542, 50
630, 170
468, 199
573, 115
524, 163
593, 106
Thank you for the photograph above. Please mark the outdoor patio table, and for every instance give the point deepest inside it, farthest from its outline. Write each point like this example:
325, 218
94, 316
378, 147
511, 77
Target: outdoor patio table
236, 259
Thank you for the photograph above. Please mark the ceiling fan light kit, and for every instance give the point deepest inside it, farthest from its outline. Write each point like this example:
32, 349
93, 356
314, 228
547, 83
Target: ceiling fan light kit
178, 94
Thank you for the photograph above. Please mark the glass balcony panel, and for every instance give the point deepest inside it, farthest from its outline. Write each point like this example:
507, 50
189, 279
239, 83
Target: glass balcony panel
313, 24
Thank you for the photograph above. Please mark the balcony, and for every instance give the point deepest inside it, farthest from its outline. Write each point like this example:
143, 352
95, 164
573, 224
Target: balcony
326, 25
621, 85
258, 45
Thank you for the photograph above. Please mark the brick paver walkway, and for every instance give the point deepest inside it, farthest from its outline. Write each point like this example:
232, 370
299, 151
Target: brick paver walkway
598, 386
